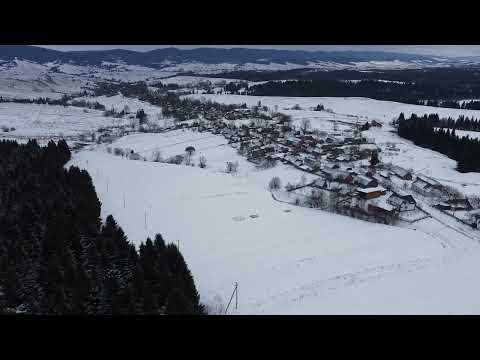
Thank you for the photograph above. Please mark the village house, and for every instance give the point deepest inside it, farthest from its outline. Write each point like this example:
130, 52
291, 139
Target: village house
401, 173
402, 201
380, 209
425, 185
475, 218
371, 193
337, 174
384, 174
365, 182
321, 182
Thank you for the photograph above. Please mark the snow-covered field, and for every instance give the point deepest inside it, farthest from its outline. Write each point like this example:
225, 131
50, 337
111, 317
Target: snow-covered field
193, 80
303, 261
32, 120
287, 259
365, 108
214, 148
118, 102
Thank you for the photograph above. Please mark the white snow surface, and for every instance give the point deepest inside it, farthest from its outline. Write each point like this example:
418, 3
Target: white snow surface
304, 261
38, 120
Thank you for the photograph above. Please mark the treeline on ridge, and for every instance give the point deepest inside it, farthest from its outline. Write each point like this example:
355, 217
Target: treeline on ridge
380, 90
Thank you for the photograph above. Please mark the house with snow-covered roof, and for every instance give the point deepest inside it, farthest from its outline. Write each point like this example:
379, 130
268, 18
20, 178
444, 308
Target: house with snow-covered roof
365, 182
371, 193
402, 201
402, 173
425, 185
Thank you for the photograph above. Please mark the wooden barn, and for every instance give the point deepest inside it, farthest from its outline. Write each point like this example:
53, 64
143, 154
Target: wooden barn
371, 193
402, 173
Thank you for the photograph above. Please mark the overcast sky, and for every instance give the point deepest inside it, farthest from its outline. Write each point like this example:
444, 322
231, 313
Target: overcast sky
440, 50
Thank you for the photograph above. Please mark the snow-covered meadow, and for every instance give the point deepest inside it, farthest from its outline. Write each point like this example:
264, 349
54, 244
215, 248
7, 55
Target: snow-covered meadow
39, 120
349, 108
287, 260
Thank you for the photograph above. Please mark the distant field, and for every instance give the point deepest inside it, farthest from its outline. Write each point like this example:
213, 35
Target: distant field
32, 120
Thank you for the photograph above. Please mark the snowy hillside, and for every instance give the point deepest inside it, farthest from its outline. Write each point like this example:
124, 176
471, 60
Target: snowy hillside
288, 260
24, 79
45, 121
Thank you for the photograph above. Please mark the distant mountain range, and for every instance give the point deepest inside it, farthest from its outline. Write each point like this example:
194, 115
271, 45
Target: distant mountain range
164, 57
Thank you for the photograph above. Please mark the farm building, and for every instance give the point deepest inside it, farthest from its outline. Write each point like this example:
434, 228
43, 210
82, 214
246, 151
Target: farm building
425, 185
371, 193
365, 181
402, 201
475, 219
380, 208
335, 174
402, 173
321, 182
384, 174
455, 205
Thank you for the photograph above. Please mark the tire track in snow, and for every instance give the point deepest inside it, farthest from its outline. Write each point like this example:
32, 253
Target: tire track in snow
319, 287
224, 194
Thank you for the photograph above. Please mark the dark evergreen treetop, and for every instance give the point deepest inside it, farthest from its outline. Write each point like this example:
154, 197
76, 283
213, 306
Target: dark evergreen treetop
56, 257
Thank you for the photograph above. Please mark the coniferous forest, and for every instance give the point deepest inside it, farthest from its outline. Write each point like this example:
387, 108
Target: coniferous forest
437, 94
56, 256
440, 135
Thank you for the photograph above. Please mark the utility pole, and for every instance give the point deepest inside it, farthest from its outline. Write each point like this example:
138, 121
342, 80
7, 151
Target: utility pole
235, 292
236, 296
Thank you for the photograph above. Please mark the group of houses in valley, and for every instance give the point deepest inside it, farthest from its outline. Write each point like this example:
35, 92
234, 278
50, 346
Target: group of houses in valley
341, 162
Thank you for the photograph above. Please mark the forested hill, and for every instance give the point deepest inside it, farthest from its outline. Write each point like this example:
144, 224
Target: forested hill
56, 257
380, 90
440, 135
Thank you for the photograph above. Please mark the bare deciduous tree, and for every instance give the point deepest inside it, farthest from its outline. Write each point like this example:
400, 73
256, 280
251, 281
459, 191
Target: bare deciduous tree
316, 199
232, 167
275, 183
157, 156
202, 162
305, 125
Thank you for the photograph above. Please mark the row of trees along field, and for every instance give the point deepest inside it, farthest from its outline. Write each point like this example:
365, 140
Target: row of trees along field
452, 104
424, 131
56, 256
